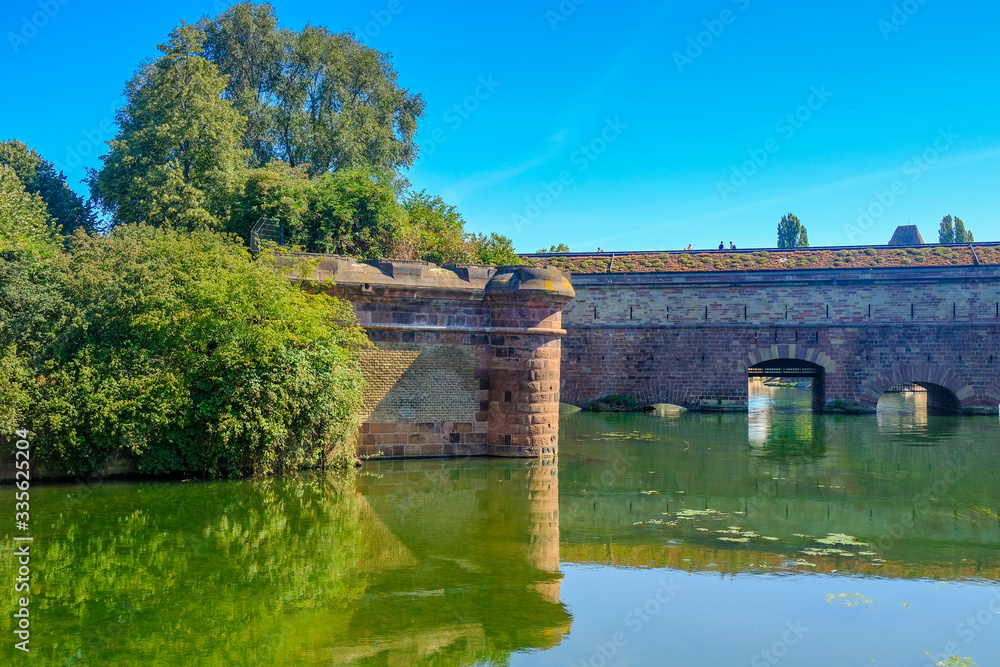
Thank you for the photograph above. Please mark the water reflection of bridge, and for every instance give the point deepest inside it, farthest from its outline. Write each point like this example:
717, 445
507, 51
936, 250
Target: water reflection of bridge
475, 567
478, 543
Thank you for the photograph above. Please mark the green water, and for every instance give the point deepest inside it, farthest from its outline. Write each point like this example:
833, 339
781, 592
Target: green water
656, 539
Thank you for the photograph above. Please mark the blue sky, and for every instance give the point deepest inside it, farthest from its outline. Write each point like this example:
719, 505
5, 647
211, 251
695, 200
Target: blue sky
645, 126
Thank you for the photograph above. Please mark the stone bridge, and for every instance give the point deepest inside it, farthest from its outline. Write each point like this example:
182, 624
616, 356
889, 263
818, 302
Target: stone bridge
474, 360
693, 339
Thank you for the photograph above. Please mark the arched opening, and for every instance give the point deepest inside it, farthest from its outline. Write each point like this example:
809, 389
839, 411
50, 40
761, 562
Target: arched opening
792, 373
920, 399
782, 396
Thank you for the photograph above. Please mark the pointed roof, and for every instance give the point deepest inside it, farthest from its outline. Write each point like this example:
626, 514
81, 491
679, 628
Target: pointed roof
907, 235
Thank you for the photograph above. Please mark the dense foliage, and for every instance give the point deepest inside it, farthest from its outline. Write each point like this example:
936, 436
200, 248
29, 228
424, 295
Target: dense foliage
240, 120
313, 97
164, 341
24, 220
178, 351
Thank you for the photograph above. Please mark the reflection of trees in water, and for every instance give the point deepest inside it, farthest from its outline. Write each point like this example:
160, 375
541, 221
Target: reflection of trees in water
160, 574
285, 572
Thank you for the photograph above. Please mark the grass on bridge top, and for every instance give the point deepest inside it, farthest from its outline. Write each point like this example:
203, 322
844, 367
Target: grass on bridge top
770, 260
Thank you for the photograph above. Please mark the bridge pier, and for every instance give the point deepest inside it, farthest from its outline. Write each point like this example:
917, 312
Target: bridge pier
465, 359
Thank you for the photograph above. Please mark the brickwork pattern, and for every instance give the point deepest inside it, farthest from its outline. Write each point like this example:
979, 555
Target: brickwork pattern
427, 383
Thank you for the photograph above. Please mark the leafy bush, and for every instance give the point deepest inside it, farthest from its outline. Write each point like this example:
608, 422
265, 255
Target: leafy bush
182, 353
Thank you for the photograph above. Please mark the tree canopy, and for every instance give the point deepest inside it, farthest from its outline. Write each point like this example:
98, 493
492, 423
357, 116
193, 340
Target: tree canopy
313, 97
177, 159
791, 233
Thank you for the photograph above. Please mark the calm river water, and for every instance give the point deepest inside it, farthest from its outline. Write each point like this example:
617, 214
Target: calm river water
683, 539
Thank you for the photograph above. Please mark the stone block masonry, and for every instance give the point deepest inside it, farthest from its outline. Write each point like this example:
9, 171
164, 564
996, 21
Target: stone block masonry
689, 338
466, 358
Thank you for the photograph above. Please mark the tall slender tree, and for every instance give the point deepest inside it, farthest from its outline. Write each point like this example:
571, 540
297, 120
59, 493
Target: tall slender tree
952, 230
177, 159
791, 233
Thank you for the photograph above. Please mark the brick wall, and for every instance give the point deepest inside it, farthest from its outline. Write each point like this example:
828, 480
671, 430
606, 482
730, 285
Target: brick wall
689, 338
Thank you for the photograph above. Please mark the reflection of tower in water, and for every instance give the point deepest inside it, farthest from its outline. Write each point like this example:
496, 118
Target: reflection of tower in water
483, 535
524, 505
543, 513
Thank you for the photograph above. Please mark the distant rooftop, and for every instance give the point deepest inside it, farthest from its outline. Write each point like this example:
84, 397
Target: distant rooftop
906, 235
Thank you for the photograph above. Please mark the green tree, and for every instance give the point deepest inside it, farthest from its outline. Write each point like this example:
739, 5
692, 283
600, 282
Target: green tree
962, 235
791, 233
279, 192
32, 311
354, 213
313, 97
245, 43
66, 208
434, 232
952, 230
494, 250
946, 232
24, 220
562, 247
176, 160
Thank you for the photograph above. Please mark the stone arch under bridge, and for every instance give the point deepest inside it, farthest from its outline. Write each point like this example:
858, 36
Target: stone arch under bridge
793, 361
948, 392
